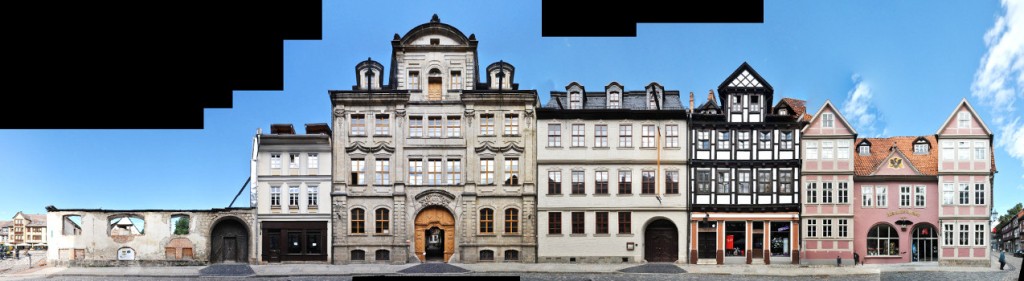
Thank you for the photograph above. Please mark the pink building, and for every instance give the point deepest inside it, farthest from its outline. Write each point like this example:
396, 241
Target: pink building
827, 178
965, 174
896, 194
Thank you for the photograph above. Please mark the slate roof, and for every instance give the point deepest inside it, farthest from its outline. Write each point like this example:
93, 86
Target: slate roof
927, 164
633, 100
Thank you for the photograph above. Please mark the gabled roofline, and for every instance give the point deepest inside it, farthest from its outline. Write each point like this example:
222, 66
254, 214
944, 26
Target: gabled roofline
970, 109
834, 110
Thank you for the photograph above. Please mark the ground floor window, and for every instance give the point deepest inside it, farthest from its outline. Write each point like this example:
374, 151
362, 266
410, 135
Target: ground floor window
511, 255
780, 239
735, 238
487, 255
383, 255
358, 255
293, 241
883, 240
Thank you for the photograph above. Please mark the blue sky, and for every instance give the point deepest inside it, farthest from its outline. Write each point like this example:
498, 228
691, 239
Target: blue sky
900, 66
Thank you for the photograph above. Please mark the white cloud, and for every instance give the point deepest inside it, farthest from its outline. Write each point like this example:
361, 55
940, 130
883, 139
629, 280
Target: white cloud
999, 79
859, 109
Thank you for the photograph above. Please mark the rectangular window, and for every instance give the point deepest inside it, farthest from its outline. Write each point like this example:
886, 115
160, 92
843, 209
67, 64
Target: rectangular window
826, 228
920, 148
293, 160
703, 181
764, 181
743, 140
843, 149
554, 223
826, 150
358, 221
625, 135
965, 234
724, 139
382, 173
275, 196
979, 150
904, 196
723, 182
964, 151
554, 182
275, 161
844, 229
312, 161
867, 193
601, 223
647, 182
625, 222
963, 120
919, 196
293, 196
511, 171
812, 150
577, 223
579, 135
511, 124
358, 125
844, 193
785, 181
947, 193
434, 176
704, 140
511, 221
786, 140
600, 135
672, 182
625, 182
647, 136
812, 228
381, 125
554, 135
416, 126
434, 127
947, 234
601, 182
764, 140
454, 172
979, 235
486, 171
671, 135
827, 120
882, 195
486, 124
415, 172
947, 150
577, 183
383, 223
456, 80
826, 192
737, 106
486, 221
414, 80
864, 150
965, 194
979, 194
614, 100
312, 196
358, 170
755, 105
454, 126
812, 193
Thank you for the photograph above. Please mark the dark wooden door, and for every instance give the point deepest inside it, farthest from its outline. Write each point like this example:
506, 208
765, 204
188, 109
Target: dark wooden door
272, 245
230, 249
706, 245
661, 242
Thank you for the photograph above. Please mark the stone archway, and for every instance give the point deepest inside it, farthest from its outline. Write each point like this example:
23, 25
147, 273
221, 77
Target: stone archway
229, 241
661, 241
435, 219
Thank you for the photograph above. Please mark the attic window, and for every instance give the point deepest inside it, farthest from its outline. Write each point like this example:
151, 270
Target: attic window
864, 149
575, 101
783, 112
614, 100
921, 147
435, 41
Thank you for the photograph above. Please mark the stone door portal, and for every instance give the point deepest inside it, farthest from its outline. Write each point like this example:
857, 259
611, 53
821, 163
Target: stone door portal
442, 246
661, 242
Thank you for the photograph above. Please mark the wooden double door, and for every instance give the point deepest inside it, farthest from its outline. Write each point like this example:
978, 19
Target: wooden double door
435, 234
661, 242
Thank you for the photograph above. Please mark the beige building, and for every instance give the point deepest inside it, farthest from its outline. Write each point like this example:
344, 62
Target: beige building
27, 230
435, 164
291, 184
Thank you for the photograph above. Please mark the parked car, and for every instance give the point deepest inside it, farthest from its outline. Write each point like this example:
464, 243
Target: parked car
1019, 254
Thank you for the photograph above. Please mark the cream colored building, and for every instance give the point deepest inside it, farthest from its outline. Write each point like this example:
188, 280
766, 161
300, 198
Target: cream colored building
27, 230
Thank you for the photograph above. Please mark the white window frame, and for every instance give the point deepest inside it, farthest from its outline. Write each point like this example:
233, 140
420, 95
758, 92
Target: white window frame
881, 196
948, 194
555, 135
826, 150
980, 150
963, 120
963, 150
867, 196
647, 135
601, 135
812, 228
579, 135
671, 135
626, 135
812, 150
948, 148
486, 171
827, 120
453, 126
905, 196
920, 195
381, 172
275, 160
843, 149
415, 172
948, 234
963, 193
843, 190
812, 193
453, 169
313, 160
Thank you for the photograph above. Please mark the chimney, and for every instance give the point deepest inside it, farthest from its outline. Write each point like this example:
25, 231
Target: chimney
711, 96
691, 102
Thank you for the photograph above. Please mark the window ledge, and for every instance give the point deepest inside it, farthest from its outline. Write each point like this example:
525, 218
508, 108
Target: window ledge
578, 147
648, 148
359, 234
578, 235
624, 235
555, 195
554, 147
602, 195
673, 148
512, 136
487, 235
602, 235
577, 195
625, 148
386, 136
555, 235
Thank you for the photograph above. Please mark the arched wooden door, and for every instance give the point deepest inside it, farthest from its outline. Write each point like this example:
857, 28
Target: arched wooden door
661, 242
229, 242
435, 217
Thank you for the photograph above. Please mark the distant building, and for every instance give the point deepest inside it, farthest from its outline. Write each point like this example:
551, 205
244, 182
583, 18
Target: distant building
5, 228
27, 231
291, 182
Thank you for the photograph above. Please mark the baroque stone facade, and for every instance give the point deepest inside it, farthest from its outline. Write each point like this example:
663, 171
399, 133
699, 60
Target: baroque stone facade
433, 164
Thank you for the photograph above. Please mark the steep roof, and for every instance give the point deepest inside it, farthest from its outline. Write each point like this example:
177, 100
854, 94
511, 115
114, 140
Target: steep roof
799, 108
6, 223
927, 164
828, 104
36, 219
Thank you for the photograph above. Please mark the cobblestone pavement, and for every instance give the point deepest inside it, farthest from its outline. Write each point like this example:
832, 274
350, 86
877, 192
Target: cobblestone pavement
654, 268
434, 267
543, 276
227, 270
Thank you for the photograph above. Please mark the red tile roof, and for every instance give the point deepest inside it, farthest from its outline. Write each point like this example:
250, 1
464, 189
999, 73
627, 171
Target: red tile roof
927, 164
799, 108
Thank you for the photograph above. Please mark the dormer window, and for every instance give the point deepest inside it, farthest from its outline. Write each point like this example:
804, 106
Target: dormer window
652, 101
864, 149
783, 112
575, 101
921, 146
614, 100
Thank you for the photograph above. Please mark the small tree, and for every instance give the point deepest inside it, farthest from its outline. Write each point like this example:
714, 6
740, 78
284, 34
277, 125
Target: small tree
181, 226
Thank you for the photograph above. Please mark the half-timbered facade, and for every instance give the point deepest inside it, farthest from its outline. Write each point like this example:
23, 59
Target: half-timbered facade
827, 178
614, 162
434, 164
744, 174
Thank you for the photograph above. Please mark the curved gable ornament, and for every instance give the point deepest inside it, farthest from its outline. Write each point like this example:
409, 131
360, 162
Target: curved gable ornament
488, 146
369, 149
434, 197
